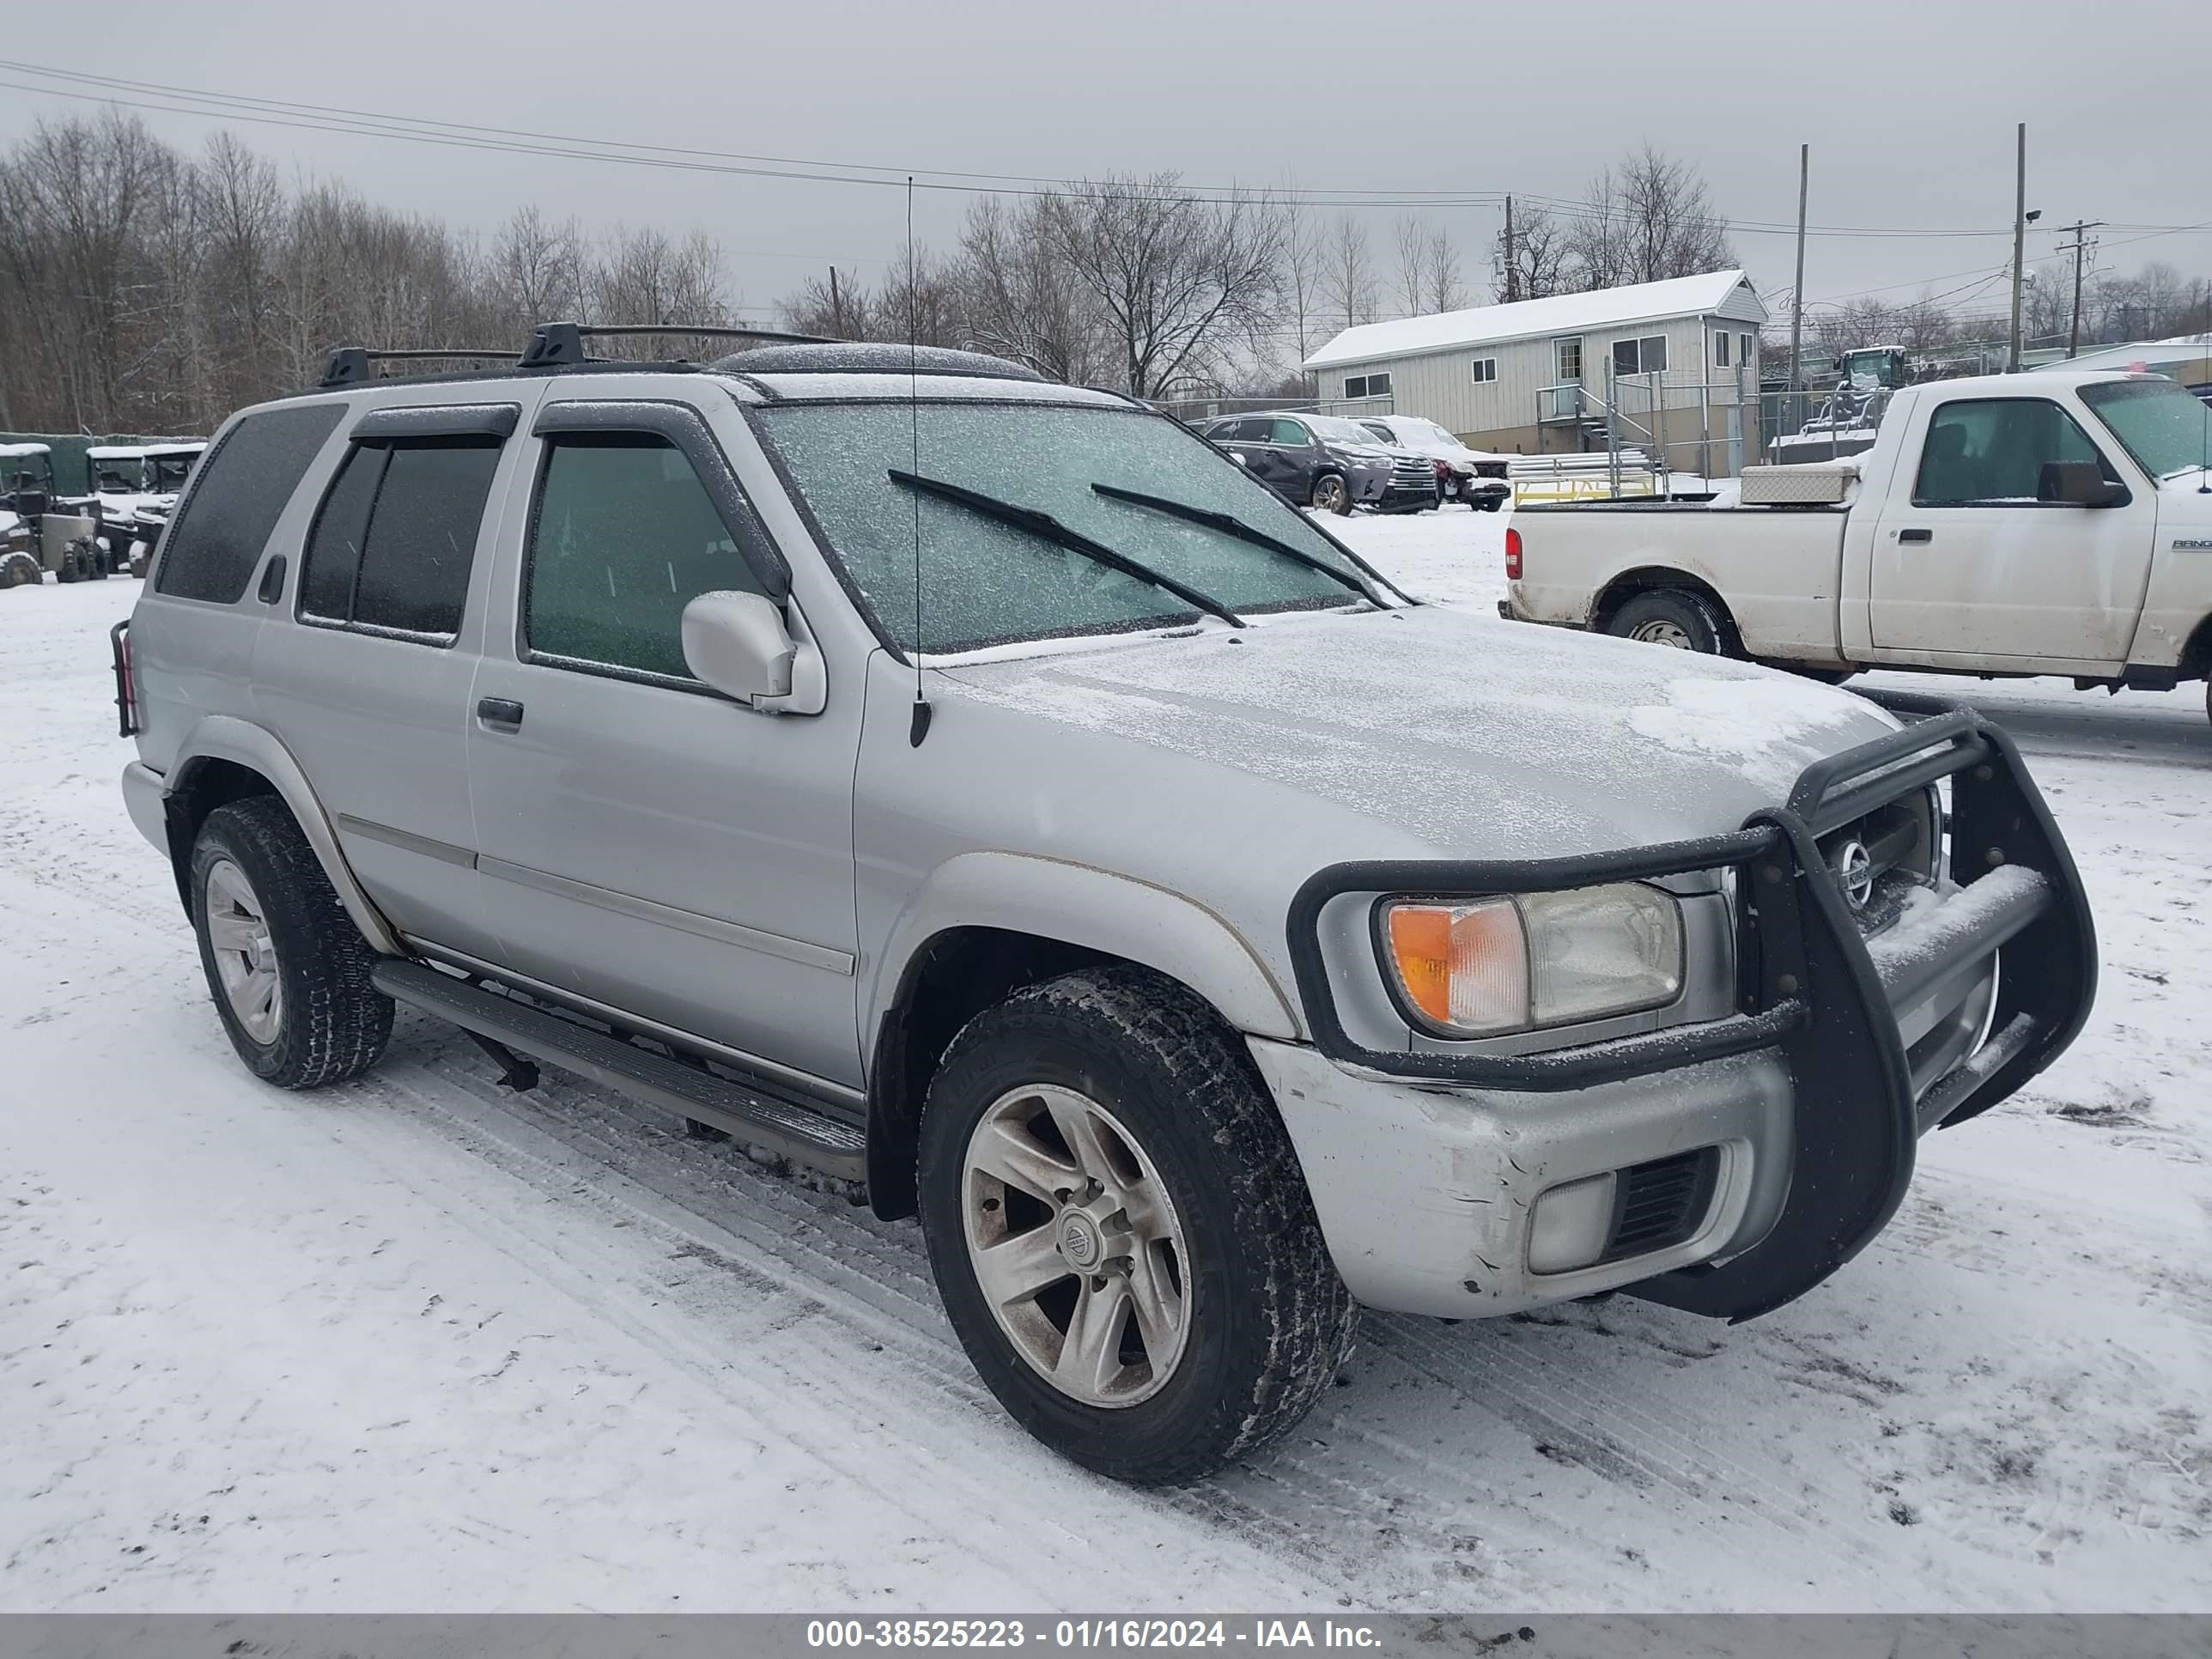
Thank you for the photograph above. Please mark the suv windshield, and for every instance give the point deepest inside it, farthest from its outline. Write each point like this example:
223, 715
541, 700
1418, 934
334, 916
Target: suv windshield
2160, 423
988, 582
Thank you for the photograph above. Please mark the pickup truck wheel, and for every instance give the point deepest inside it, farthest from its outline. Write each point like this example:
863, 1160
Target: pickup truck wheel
1121, 1231
1670, 617
288, 970
1332, 495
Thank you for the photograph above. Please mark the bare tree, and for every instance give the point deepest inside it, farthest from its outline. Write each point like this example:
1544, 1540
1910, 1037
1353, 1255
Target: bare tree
1538, 254
1413, 263
1347, 283
1651, 219
1441, 286
1303, 258
1019, 300
536, 271
1182, 280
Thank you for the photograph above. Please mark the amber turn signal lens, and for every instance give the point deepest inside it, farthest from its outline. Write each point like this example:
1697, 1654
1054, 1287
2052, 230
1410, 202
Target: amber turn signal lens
1463, 967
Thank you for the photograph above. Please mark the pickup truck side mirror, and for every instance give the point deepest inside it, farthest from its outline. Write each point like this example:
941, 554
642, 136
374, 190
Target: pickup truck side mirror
737, 643
2078, 483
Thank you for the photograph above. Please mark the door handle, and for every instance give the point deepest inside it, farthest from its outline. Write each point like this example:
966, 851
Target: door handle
503, 711
1916, 535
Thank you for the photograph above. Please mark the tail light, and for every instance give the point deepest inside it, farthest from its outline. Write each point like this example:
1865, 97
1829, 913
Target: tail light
1512, 555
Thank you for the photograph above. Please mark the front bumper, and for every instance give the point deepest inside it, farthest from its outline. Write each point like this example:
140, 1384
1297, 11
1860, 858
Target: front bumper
1806, 1102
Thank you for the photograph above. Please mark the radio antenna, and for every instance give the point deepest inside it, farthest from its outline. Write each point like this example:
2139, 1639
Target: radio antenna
920, 727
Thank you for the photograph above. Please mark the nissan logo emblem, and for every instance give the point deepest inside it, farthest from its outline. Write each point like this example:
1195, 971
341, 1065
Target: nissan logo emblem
1854, 870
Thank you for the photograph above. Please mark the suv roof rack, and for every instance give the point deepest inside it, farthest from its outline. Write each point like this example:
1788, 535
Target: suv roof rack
352, 365
561, 345
554, 348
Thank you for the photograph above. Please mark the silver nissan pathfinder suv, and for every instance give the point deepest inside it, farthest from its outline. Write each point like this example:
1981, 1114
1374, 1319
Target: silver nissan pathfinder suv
981, 790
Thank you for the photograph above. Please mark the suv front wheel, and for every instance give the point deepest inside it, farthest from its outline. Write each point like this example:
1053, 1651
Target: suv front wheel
288, 970
1121, 1232
1332, 495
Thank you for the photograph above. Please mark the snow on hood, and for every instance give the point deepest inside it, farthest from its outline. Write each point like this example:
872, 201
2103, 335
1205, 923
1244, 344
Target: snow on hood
1483, 738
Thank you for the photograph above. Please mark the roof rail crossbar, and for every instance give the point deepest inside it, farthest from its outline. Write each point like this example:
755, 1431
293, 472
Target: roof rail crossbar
553, 343
353, 365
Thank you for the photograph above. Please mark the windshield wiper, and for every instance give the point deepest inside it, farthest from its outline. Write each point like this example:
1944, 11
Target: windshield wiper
1045, 527
1230, 525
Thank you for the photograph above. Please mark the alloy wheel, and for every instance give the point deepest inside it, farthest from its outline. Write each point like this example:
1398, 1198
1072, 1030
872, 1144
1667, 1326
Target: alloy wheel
1077, 1245
245, 957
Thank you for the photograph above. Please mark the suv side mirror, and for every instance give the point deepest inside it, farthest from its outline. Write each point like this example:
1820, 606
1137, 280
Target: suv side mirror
737, 643
2077, 483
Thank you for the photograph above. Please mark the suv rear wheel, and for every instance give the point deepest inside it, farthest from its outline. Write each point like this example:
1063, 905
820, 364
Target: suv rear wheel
288, 970
1121, 1232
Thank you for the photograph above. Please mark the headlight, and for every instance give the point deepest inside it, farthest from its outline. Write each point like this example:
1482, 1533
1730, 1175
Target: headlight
1488, 967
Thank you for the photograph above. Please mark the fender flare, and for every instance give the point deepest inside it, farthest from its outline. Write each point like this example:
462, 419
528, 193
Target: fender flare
1083, 905
224, 737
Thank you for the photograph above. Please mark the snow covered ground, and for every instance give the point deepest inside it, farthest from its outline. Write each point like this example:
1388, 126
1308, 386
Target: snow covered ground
417, 1343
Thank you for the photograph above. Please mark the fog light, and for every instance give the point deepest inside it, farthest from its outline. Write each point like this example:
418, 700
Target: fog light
1569, 1228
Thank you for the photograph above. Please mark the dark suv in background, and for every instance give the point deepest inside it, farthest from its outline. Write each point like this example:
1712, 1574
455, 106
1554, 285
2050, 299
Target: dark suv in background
1326, 462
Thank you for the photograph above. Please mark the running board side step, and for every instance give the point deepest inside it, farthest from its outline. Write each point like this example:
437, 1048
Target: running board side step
701, 1096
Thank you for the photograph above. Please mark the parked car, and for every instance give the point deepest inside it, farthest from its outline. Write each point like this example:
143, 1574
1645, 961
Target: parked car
1099, 860
2053, 524
1473, 475
1325, 462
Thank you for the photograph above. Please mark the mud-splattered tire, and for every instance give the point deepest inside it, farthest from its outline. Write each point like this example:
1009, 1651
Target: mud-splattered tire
1669, 616
20, 570
267, 916
1265, 1324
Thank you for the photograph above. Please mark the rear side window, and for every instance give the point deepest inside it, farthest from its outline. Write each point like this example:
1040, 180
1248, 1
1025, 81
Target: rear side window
242, 490
625, 537
396, 538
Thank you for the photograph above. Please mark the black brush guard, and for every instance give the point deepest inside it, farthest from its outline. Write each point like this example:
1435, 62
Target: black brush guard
1807, 985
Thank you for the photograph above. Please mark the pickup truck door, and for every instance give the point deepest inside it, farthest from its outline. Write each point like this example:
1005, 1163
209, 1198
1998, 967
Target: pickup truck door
1970, 567
646, 844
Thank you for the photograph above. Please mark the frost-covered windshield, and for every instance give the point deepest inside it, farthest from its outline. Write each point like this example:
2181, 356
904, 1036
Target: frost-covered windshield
987, 582
2161, 424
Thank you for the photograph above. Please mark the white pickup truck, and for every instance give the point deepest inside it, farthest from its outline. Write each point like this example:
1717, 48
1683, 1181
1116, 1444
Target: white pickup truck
2054, 522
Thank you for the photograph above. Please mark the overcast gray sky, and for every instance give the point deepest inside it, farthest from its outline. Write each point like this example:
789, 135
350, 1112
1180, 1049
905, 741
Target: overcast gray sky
1908, 106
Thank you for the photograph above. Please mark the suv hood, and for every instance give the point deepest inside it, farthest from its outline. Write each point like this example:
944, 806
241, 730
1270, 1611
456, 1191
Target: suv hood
1473, 737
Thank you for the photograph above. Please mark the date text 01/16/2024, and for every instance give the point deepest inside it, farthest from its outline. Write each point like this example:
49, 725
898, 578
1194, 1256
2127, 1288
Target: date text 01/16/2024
1090, 1633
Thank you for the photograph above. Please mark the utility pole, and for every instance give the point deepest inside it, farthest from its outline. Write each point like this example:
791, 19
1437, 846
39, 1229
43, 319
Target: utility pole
2077, 247
2018, 246
836, 304
1797, 294
1512, 274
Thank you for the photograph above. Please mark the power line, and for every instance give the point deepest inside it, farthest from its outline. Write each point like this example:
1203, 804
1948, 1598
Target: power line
361, 123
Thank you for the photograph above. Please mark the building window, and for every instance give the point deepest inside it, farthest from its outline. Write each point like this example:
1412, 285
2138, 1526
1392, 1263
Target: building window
1749, 355
1645, 356
1720, 351
1485, 370
1567, 356
1366, 385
